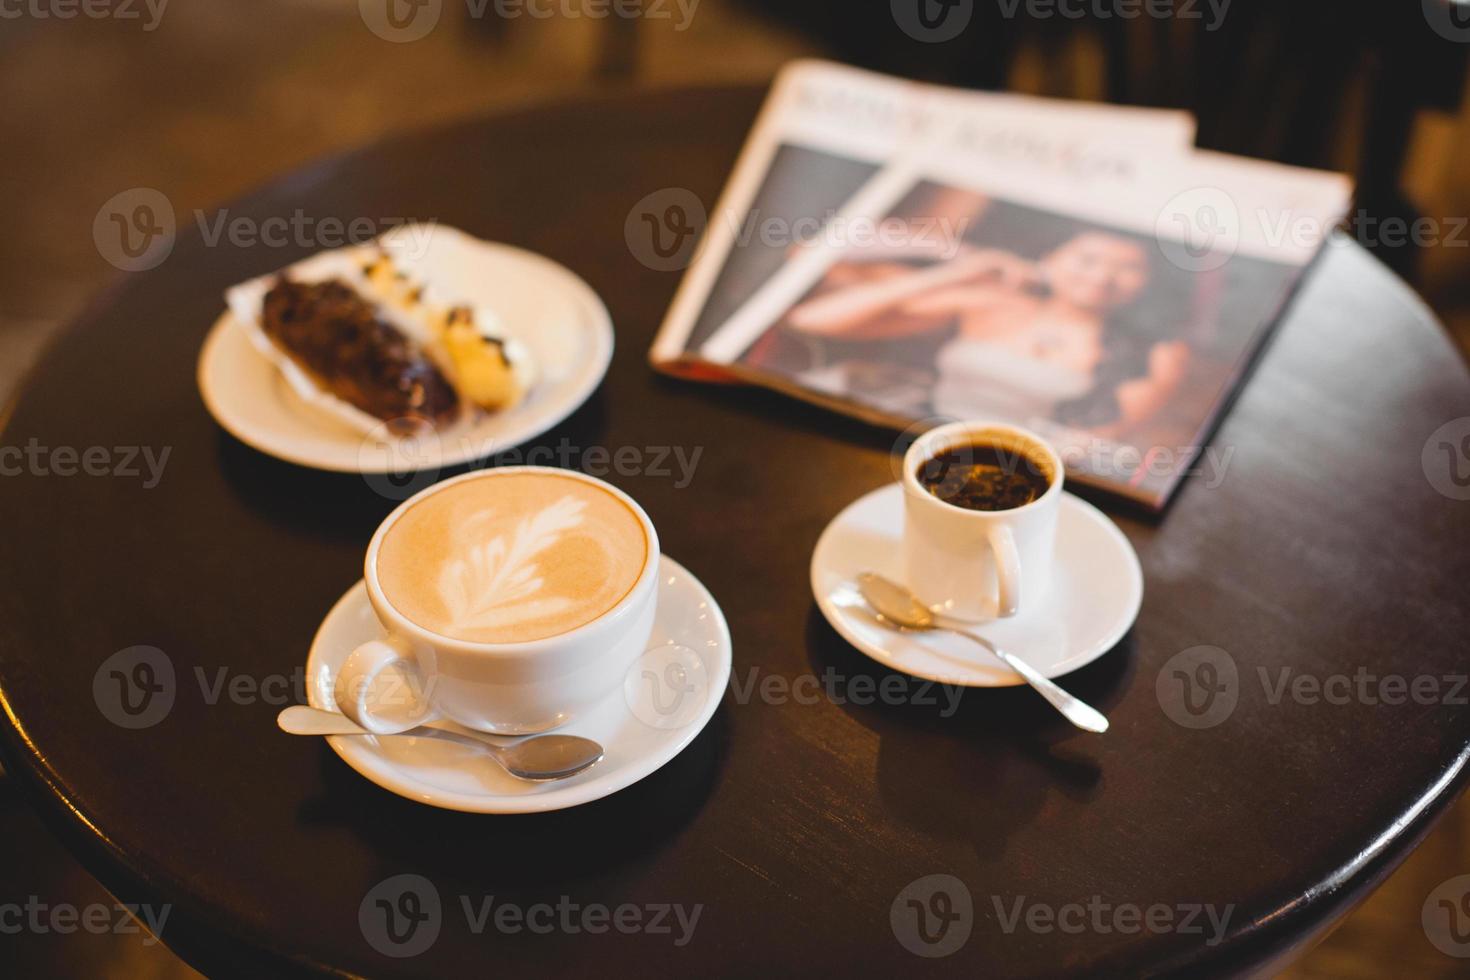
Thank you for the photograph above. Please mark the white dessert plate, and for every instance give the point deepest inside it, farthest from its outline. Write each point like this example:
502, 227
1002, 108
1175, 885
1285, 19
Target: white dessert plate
557, 315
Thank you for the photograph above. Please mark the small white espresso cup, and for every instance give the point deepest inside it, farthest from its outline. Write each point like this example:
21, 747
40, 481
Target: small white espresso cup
414, 675
978, 564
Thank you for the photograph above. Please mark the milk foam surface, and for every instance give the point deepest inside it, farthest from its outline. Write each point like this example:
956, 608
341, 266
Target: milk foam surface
512, 558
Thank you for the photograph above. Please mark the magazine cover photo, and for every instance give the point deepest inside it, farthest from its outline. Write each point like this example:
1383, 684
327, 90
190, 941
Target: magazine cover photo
963, 305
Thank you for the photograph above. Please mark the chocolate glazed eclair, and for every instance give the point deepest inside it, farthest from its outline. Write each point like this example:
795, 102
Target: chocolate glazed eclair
335, 335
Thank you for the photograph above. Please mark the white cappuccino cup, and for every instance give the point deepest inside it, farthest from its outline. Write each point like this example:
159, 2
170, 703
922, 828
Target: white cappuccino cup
511, 599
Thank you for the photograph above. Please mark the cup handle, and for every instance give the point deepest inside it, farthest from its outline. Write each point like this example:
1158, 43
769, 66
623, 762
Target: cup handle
357, 695
1007, 569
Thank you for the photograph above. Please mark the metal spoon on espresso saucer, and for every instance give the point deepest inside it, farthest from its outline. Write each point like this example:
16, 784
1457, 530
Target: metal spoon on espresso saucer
897, 606
541, 757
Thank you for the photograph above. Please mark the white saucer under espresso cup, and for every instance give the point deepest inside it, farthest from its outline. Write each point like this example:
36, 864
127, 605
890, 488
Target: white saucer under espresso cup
980, 565
531, 684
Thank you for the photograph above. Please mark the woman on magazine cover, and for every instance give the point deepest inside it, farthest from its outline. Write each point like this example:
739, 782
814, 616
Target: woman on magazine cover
1045, 339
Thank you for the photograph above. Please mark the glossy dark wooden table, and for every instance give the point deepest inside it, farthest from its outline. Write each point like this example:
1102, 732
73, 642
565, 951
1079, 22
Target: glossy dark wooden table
795, 825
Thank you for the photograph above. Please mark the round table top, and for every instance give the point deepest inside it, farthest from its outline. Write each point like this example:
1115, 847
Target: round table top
802, 828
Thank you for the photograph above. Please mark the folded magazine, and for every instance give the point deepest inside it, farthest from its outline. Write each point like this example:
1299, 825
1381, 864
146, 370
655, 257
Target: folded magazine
912, 254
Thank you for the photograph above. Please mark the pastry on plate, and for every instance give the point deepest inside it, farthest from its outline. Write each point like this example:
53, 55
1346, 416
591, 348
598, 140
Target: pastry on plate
360, 338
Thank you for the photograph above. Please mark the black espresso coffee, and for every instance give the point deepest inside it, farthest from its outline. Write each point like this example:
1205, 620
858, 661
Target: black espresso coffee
979, 476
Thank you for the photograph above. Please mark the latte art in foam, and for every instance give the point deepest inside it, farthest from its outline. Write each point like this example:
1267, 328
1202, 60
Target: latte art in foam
505, 559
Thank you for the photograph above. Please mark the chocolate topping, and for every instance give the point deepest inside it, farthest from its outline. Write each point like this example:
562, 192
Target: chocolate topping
337, 337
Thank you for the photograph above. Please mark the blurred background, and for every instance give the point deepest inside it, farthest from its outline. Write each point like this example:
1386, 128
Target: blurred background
203, 99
